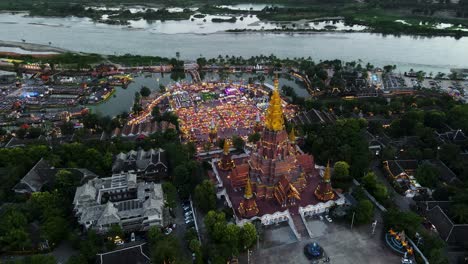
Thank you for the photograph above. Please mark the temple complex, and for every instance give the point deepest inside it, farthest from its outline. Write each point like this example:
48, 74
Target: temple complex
276, 179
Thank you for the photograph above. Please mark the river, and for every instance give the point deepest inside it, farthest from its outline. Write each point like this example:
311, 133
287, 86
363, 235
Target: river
81, 34
122, 100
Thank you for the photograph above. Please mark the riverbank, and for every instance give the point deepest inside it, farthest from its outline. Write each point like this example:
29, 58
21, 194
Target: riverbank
32, 46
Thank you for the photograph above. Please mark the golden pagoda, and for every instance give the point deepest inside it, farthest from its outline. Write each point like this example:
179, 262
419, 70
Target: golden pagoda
277, 169
226, 162
274, 120
248, 207
324, 191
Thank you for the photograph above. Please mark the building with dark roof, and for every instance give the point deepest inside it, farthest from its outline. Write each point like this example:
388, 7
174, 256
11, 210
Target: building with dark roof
43, 174
454, 234
138, 254
314, 116
148, 165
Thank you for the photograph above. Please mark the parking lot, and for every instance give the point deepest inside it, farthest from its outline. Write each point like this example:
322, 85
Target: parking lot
339, 242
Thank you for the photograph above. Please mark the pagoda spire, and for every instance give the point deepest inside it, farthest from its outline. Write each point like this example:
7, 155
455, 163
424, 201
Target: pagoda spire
274, 117
248, 207
292, 135
226, 147
324, 191
248, 189
226, 163
327, 173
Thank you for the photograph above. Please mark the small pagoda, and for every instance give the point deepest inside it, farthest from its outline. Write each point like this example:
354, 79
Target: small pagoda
226, 163
248, 207
324, 191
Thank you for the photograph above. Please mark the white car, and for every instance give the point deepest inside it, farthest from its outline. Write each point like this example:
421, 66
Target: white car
321, 217
328, 218
132, 237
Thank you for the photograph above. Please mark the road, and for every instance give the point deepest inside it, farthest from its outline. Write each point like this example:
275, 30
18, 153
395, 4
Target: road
401, 201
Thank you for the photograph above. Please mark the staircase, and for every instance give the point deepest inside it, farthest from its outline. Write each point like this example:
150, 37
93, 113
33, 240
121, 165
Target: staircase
300, 226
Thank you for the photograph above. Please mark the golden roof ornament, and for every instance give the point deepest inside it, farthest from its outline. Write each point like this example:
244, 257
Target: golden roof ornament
274, 117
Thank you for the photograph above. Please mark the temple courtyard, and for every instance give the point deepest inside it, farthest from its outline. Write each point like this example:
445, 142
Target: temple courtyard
339, 242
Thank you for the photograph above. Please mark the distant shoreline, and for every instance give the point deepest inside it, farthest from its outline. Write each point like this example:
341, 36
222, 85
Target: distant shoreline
32, 46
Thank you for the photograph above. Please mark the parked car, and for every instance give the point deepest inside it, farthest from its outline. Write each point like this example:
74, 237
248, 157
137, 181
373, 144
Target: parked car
188, 213
132, 237
189, 221
168, 231
328, 218
321, 217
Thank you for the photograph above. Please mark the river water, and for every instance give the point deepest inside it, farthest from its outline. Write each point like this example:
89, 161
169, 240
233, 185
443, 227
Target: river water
122, 100
81, 34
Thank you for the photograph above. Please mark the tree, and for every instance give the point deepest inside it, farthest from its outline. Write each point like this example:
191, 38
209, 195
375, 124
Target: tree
380, 192
54, 229
115, 230
364, 212
66, 182
76, 259
408, 221
460, 212
248, 235
238, 142
182, 179
67, 128
156, 113
170, 192
205, 196
369, 181
254, 138
145, 91
231, 238
39, 259
13, 234
341, 170
213, 217
427, 175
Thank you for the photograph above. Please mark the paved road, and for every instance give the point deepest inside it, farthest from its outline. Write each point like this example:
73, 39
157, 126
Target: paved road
341, 244
401, 201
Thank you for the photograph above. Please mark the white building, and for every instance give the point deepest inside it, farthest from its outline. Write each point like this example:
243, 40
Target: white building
119, 199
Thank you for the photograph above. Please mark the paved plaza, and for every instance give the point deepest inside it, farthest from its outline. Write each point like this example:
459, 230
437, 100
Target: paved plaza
341, 244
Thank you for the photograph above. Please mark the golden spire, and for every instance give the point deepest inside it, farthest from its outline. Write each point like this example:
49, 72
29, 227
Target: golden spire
292, 135
327, 174
248, 189
226, 146
274, 117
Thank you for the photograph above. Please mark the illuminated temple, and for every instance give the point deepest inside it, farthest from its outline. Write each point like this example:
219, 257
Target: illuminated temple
276, 180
